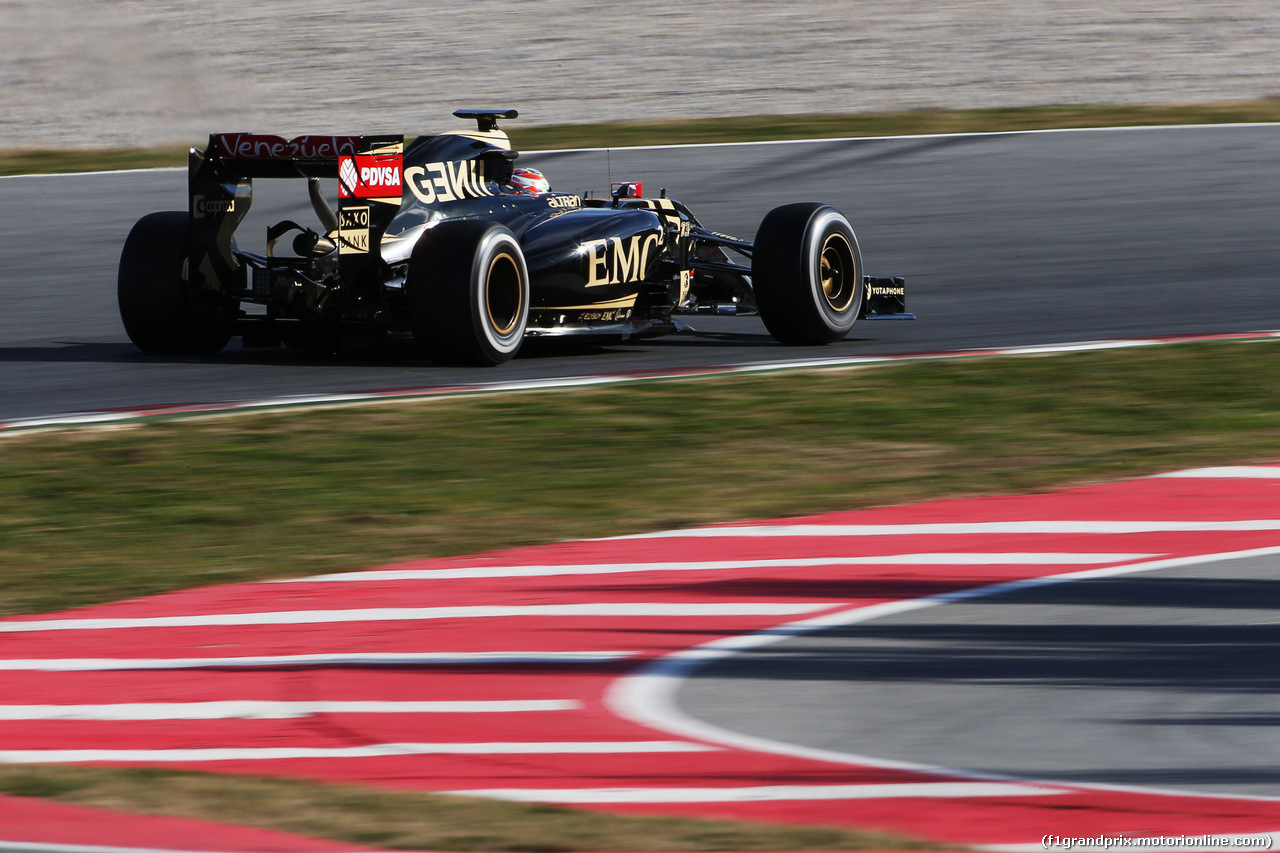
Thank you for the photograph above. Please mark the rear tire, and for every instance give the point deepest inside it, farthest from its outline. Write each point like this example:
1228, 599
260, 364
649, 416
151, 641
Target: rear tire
468, 293
160, 312
807, 274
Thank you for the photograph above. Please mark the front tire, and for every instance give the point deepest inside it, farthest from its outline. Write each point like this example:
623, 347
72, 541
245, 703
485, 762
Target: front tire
468, 293
807, 274
159, 311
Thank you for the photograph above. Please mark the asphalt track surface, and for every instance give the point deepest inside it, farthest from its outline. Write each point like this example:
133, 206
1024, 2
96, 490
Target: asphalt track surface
1005, 240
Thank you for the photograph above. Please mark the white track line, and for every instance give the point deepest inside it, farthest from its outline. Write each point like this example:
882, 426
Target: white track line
42, 847
542, 571
427, 393
1234, 472
960, 529
251, 709
374, 750
910, 137
764, 793
316, 660
413, 614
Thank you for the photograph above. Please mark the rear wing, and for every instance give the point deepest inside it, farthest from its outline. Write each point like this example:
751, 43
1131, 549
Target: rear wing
369, 170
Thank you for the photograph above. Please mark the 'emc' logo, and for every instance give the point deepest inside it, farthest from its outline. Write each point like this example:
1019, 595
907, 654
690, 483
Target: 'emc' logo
615, 260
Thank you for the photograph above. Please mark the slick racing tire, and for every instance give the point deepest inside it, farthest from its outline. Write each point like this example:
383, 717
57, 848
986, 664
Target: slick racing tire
161, 314
806, 271
468, 293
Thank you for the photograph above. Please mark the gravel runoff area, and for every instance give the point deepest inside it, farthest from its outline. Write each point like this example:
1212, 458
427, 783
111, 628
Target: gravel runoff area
140, 72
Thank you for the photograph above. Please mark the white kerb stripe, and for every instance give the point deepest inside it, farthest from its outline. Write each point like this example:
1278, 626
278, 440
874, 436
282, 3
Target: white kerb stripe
1234, 472
766, 793
412, 614
317, 660
249, 709
375, 750
939, 559
55, 847
960, 529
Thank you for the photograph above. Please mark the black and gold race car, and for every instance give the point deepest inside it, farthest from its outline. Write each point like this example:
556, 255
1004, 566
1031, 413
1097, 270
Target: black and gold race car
445, 238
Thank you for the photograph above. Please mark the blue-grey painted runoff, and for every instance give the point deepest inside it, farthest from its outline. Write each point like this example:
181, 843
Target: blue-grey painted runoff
1163, 680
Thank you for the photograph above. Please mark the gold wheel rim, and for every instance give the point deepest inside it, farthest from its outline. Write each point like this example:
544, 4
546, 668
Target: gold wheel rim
504, 294
837, 273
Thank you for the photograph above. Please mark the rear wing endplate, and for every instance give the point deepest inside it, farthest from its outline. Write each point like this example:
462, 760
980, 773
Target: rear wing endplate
369, 170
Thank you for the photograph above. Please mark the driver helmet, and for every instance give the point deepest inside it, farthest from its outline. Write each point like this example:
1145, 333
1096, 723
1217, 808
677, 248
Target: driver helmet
529, 182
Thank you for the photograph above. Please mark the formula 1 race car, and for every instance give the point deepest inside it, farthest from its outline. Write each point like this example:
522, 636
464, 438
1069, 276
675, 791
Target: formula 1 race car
443, 237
